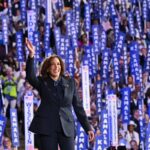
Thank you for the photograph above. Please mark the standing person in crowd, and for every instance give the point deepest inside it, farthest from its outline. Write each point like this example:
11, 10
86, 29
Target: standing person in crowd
131, 84
147, 98
132, 134
54, 122
136, 118
133, 102
134, 145
9, 83
7, 144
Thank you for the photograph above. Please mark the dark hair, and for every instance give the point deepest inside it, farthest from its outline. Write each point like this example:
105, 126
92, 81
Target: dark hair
121, 148
147, 93
47, 63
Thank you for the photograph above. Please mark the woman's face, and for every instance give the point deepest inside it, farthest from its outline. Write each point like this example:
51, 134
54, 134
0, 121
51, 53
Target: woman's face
84, 38
130, 80
131, 128
55, 68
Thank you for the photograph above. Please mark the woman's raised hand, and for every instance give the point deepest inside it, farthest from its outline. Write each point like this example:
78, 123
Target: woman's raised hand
30, 47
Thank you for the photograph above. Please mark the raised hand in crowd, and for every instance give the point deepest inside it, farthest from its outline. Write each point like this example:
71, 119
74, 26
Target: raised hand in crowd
30, 47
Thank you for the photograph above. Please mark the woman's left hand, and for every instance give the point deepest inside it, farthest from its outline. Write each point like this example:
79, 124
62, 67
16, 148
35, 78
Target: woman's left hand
91, 136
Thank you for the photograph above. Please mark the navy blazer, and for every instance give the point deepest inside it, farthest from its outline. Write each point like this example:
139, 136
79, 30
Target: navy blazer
44, 121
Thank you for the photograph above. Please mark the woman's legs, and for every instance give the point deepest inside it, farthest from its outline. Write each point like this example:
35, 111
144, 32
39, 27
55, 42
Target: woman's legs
51, 142
47, 142
13, 103
66, 143
6, 102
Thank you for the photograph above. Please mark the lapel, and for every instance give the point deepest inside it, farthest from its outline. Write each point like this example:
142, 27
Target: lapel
66, 88
48, 83
65, 84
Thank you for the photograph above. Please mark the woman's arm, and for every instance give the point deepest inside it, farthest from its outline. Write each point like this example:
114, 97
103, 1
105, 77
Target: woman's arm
30, 67
31, 48
81, 115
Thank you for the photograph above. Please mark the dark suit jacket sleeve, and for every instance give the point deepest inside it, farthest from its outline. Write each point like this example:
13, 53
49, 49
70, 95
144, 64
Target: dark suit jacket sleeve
79, 111
31, 75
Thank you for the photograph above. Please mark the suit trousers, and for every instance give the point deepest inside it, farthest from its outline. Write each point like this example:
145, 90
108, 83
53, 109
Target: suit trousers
51, 142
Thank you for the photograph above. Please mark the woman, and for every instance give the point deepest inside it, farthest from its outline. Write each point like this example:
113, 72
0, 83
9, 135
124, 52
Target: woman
131, 134
54, 123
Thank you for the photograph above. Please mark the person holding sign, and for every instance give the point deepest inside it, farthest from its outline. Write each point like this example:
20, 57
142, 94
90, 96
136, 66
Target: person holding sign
53, 122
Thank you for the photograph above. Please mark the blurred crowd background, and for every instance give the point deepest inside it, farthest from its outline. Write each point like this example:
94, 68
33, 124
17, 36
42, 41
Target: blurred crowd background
13, 76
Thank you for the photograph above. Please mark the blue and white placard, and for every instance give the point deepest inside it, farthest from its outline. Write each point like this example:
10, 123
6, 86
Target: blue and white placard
85, 89
28, 111
14, 127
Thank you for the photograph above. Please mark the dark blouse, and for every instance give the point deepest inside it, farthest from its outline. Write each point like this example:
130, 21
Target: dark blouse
58, 92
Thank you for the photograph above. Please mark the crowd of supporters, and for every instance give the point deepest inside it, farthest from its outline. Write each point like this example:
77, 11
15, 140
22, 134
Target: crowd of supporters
13, 76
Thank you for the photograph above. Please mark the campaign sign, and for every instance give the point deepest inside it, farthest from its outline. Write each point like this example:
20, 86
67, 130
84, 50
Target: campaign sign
86, 89
5, 30
112, 114
14, 127
2, 126
28, 108
81, 138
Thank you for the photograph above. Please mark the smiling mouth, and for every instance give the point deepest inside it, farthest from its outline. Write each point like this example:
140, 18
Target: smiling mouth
56, 71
